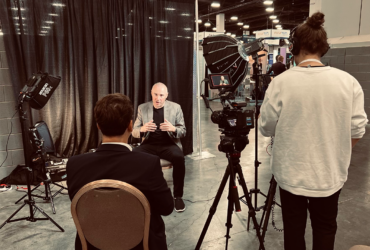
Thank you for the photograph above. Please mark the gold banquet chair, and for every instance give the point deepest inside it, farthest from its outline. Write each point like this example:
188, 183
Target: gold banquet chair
111, 215
358, 247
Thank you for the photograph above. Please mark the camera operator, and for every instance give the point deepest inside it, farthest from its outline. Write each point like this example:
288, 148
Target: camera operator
316, 114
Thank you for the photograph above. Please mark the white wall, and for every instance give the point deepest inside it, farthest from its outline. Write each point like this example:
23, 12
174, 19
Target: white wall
365, 18
342, 17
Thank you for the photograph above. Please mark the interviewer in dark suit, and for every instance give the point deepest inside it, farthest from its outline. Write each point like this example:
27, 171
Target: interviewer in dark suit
278, 67
115, 160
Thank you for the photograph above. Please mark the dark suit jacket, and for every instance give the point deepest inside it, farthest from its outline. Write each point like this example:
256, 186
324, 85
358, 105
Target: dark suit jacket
278, 68
141, 170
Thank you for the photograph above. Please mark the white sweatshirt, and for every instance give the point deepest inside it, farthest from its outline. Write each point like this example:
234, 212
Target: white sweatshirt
313, 114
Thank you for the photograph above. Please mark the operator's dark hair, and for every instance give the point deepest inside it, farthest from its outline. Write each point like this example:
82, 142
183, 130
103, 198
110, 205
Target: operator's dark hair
312, 35
113, 113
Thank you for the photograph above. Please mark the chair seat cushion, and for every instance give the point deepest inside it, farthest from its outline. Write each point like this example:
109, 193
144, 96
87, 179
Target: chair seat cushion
165, 164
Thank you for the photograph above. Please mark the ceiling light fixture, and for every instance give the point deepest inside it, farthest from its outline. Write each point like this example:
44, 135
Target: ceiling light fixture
268, 2
52, 14
234, 18
233, 35
276, 21
49, 22
200, 21
228, 34
215, 5
169, 8
58, 4
240, 23
273, 17
208, 23
163, 21
246, 26
214, 28
269, 9
278, 26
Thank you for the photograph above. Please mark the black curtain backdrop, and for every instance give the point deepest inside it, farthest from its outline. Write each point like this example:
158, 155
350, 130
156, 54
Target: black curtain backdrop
99, 47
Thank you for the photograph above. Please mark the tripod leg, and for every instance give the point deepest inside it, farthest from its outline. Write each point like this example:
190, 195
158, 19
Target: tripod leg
266, 201
269, 204
50, 197
60, 186
12, 216
252, 212
49, 218
24, 196
213, 208
230, 210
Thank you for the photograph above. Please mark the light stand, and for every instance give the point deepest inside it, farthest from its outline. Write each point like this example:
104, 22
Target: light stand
30, 202
46, 178
255, 191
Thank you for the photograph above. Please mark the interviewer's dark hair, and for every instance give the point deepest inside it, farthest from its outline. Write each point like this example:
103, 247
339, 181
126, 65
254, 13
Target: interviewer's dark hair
312, 35
113, 114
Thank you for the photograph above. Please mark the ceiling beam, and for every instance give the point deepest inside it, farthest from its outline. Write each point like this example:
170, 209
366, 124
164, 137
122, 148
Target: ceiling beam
231, 8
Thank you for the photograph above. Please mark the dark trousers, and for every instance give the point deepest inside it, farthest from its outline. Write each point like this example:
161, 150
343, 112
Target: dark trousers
170, 152
323, 215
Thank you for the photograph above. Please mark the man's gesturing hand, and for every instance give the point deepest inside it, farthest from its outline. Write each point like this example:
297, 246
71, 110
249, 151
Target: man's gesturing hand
148, 127
167, 126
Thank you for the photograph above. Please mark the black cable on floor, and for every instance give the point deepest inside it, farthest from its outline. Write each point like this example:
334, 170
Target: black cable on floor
7, 141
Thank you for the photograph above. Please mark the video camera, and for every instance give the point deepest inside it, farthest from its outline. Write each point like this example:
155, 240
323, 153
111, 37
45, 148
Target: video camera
234, 122
232, 119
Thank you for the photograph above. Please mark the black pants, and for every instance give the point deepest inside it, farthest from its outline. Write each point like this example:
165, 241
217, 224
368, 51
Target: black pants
170, 152
323, 215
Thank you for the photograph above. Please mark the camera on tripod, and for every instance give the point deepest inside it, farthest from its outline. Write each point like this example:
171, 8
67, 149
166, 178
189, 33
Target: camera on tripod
234, 122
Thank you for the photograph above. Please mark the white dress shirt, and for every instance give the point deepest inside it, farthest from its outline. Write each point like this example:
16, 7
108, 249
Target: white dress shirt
119, 143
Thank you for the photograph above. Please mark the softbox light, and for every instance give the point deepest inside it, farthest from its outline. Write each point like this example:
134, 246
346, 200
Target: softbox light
224, 54
39, 89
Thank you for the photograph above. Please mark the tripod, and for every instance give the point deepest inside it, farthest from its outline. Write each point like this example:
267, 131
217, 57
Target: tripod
48, 195
30, 202
232, 169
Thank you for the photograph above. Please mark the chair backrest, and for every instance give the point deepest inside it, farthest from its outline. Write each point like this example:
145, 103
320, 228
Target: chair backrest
44, 132
358, 247
111, 214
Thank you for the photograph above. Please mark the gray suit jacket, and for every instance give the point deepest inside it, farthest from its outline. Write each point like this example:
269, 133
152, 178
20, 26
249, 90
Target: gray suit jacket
172, 113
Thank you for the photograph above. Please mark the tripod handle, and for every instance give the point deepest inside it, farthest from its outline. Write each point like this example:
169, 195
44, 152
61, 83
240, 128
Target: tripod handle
236, 199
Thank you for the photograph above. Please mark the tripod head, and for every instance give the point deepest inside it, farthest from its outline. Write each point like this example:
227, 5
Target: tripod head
233, 144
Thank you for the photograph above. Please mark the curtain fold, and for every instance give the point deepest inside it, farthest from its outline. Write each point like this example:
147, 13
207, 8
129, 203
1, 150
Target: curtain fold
99, 47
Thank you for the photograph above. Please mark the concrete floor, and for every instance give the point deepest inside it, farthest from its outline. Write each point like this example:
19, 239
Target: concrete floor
202, 181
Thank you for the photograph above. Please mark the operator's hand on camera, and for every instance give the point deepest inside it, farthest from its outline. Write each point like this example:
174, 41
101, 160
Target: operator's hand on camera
167, 126
148, 127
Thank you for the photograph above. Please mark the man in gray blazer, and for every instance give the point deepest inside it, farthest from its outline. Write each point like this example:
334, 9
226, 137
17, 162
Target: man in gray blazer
161, 125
